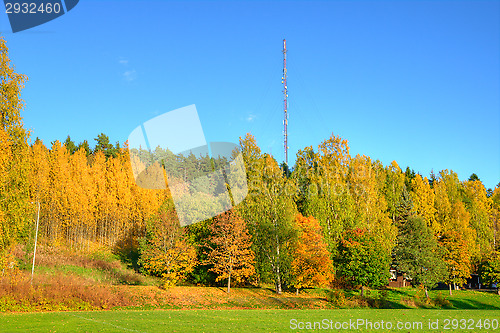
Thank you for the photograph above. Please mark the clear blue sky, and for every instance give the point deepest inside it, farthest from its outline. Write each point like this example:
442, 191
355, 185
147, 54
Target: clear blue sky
415, 82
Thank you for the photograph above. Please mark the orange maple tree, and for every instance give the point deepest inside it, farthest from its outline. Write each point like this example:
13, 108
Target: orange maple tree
312, 266
230, 251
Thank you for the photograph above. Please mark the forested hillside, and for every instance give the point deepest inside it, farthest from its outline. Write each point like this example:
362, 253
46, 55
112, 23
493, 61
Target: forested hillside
332, 219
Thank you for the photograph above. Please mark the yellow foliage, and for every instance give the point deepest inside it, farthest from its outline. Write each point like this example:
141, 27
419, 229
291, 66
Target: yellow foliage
87, 199
457, 256
9, 268
424, 202
166, 252
173, 264
14, 162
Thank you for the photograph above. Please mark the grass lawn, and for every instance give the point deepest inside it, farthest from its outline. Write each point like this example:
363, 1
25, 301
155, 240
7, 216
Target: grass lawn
135, 304
416, 320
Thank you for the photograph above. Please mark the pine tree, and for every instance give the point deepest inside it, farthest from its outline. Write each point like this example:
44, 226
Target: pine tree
103, 144
70, 145
418, 255
409, 176
405, 207
85, 145
474, 178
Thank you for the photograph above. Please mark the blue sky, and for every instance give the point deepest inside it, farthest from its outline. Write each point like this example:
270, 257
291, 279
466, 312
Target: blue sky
415, 82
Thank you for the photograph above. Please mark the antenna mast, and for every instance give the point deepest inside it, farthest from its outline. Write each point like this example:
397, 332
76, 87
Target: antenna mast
285, 103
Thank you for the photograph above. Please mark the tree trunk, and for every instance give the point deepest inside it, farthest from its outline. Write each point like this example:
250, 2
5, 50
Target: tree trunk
426, 293
297, 293
362, 291
278, 277
278, 282
229, 277
450, 290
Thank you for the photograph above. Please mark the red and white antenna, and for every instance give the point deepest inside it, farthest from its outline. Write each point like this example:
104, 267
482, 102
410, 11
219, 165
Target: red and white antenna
285, 103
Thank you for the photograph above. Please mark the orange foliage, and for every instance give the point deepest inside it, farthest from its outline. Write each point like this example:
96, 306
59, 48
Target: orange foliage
312, 266
231, 256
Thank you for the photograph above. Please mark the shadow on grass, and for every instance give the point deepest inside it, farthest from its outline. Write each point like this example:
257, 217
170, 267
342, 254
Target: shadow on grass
468, 304
401, 291
394, 305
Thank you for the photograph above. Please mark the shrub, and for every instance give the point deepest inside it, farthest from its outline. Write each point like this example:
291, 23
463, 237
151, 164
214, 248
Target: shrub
55, 292
336, 297
441, 301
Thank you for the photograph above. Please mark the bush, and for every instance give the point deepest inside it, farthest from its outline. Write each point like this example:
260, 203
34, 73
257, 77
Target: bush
381, 301
53, 292
441, 301
336, 297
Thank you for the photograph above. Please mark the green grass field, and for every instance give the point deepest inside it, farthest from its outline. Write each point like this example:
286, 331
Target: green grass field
135, 304
415, 320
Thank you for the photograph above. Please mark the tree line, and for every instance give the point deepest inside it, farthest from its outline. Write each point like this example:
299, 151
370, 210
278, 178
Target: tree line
331, 220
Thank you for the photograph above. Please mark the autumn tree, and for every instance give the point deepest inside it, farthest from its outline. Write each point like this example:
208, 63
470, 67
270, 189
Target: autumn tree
311, 266
82, 200
86, 199
58, 208
457, 258
322, 178
479, 207
39, 172
443, 206
394, 185
103, 198
366, 182
274, 230
39, 180
495, 213
5, 157
165, 251
423, 198
15, 208
230, 250
456, 236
